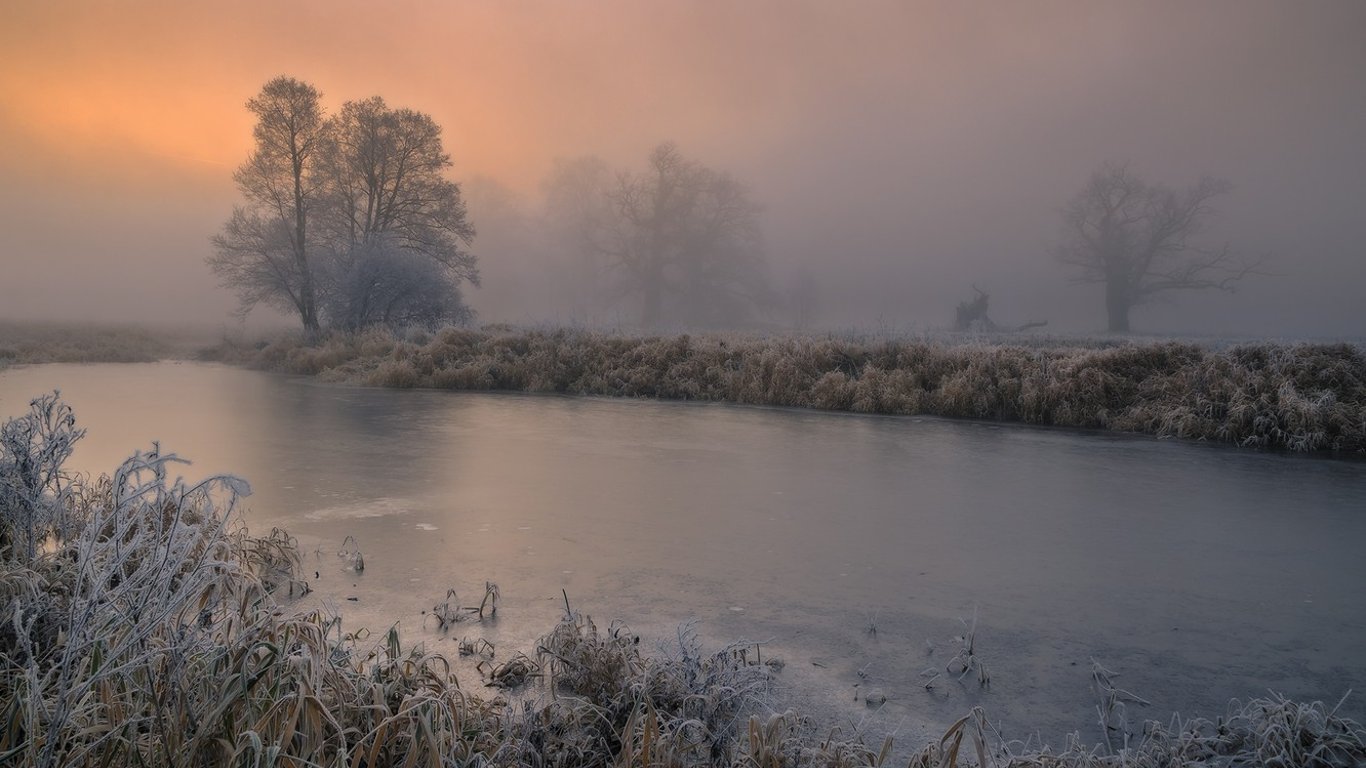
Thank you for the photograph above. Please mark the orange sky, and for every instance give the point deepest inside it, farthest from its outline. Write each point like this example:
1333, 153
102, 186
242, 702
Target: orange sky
895, 143
513, 83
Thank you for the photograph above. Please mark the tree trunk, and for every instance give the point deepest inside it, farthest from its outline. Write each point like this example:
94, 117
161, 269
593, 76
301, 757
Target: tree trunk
308, 302
308, 299
311, 324
1117, 304
308, 307
308, 313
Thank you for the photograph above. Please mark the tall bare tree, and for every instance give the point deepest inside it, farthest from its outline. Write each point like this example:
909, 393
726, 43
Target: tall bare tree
685, 237
1136, 239
265, 249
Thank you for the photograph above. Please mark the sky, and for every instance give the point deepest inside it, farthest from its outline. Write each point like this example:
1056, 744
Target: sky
903, 152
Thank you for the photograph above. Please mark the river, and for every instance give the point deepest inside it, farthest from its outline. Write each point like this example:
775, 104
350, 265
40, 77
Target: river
854, 547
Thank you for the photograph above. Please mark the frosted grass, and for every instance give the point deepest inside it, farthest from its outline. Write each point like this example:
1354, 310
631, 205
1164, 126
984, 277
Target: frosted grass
151, 628
1297, 397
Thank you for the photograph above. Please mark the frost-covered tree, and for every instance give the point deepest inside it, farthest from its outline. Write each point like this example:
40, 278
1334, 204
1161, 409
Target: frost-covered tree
264, 252
381, 282
332, 202
1137, 239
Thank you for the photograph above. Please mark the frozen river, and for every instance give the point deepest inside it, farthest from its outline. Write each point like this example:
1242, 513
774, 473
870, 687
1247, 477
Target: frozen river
851, 545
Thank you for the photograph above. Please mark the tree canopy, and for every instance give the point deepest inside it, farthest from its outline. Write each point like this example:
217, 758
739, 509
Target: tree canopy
347, 219
1138, 240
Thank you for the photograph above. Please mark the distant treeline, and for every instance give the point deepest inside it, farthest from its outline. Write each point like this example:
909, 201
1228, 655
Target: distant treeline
1300, 397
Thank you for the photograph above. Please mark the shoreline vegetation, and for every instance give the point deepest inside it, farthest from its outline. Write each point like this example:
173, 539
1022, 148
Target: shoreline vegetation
142, 624
35, 343
1296, 397
1300, 397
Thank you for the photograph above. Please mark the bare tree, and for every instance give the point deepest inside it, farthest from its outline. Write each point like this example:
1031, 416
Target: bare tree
578, 211
383, 170
1136, 239
265, 251
579, 222
332, 202
687, 238
722, 268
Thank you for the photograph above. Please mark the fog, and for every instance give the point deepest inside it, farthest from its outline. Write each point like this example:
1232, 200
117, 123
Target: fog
903, 152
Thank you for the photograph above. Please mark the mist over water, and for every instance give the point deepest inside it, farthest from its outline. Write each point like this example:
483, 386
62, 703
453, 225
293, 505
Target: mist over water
1198, 572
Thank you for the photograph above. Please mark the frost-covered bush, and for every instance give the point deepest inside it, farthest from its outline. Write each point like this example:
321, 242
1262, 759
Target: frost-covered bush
34, 489
693, 699
115, 633
382, 283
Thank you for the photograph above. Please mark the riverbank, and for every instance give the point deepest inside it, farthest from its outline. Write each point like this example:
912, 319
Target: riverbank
1297, 397
33, 343
153, 628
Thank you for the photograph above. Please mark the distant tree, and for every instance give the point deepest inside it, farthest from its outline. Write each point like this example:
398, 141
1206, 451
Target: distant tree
264, 251
578, 209
685, 238
578, 221
680, 238
1136, 239
331, 203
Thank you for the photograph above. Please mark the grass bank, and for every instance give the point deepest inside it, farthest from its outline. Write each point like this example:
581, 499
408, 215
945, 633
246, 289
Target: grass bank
141, 625
29, 343
1298, 397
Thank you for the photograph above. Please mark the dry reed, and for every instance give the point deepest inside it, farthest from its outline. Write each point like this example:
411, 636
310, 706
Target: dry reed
1300, 397
32, 343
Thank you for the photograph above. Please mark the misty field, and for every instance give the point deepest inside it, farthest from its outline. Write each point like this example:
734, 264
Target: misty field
1298, 397
32, 343
143, 624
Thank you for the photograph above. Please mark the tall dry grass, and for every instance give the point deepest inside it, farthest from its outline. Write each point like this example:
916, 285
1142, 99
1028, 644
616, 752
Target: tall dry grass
1299, 397
150, 629
32, 343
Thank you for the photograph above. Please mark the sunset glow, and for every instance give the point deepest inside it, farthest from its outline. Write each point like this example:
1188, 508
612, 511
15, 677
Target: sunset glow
933, 142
